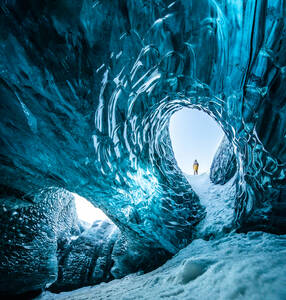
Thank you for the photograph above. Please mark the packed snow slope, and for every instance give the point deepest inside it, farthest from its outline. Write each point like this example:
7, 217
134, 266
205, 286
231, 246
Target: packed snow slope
87, 90
219, 202
238, 266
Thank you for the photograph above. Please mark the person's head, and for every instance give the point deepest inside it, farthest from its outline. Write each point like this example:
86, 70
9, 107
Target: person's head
196, 160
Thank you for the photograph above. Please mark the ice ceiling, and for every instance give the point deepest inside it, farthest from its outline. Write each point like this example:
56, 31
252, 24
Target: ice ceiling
88, 87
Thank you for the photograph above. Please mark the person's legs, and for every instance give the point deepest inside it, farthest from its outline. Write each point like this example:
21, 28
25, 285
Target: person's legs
195, 170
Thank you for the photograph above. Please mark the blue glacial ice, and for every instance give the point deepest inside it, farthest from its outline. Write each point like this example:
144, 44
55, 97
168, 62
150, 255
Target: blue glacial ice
87, 90
238, 266
224, 164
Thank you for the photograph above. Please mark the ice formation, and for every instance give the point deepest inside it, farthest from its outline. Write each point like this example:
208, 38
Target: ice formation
87, 89
223, 166
238, 266
31, 237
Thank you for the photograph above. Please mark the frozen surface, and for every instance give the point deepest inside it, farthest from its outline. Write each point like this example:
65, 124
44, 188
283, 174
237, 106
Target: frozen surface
237, 266
87, 90
224, 164
100, 254
219, 204
86, 101
88, 257
31, 237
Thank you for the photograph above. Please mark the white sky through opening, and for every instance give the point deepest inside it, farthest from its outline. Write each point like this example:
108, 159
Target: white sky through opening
86, 211
194, 135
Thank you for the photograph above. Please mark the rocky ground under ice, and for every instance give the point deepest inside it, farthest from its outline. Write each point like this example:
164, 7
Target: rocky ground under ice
235, 266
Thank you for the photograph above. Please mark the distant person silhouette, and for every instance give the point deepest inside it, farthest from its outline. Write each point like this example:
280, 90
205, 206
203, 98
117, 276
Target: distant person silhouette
196, 167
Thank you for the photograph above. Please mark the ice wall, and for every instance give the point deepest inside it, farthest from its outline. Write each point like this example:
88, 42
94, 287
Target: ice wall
76, 128
87, 89
224, 163
30, 239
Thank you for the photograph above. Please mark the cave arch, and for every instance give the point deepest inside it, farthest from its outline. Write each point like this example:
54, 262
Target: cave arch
124, 97
86, 109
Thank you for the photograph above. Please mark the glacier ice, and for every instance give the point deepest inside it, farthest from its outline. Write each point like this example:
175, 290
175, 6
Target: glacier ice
223, 166
30, 239
99, 254
87, 90
87, 259
238, 266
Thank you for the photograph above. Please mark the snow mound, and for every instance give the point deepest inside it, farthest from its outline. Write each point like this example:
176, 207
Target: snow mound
190, 270
238, 266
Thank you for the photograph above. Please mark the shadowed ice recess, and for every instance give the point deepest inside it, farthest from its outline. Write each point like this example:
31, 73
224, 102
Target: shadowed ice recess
87, 92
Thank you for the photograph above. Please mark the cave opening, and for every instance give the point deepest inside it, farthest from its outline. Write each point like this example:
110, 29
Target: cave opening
85, 107
87, 212
194, 135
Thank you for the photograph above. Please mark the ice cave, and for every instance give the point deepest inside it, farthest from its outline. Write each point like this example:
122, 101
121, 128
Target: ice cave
88, 89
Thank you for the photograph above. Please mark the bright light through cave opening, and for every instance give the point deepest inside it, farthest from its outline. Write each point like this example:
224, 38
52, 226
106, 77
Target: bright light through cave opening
194, 135
86, 211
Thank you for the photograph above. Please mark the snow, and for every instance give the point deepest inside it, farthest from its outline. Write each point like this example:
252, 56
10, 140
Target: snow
218, 201
233, 266
238, 266
194, 135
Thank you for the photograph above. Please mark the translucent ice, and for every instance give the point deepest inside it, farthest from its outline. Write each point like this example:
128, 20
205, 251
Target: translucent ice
223, 166
238, 266
87, 90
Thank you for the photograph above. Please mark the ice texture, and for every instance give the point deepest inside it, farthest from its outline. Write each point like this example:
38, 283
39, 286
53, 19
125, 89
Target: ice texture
87, 259
237, 266
87, 90
223, 166
30, 238
99, 254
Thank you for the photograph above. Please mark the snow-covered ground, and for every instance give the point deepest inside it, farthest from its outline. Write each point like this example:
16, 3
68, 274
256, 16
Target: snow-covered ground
238, 266
218, 201
234, 266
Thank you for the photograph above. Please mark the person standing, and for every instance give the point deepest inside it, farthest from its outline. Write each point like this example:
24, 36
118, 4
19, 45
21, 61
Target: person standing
196, 167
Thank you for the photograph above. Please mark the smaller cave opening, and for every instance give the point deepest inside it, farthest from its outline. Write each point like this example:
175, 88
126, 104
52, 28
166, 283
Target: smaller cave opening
87, 212
194, 136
